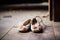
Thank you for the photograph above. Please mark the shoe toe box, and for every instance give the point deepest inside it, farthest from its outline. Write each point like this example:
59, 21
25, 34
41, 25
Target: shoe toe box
23, 28
35, 28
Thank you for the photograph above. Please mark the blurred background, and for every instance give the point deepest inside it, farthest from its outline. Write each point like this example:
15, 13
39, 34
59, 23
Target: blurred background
15, 12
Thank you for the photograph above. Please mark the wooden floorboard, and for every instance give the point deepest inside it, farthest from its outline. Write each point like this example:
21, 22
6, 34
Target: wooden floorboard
20, 16
57, 30
14, 34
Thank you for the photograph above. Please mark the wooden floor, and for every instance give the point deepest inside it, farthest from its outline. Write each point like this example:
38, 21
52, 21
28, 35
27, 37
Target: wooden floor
9, 21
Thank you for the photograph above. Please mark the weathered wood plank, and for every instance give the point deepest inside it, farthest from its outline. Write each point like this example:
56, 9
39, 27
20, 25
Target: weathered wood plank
14, 34
57, 30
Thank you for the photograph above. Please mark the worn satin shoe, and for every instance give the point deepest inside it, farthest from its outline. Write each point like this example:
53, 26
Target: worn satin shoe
25, 26
35, 25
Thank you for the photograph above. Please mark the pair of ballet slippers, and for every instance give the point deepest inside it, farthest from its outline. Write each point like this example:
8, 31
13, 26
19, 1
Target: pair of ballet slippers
33, 24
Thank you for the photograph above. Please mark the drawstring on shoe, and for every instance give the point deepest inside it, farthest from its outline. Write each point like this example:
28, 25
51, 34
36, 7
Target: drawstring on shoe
41, 21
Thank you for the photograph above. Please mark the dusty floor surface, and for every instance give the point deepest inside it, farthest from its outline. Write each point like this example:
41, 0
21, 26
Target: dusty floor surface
9, 21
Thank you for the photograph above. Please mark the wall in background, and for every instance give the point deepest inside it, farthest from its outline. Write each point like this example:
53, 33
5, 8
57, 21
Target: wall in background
57, 10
